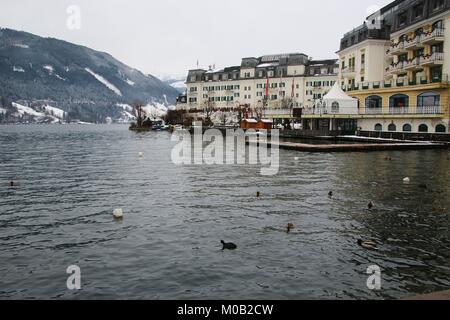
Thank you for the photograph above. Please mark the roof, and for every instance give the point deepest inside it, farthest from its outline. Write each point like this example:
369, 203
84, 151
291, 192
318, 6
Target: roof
250, 120
336, 93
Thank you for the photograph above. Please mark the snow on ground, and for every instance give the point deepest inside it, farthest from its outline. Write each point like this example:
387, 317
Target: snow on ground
26, 110
56, 112
179, 85
109, 85
49, 68
18, 69
131, 83
125, 107
23, 46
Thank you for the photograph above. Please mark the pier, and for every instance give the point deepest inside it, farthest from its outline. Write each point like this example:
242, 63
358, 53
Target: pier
362, 147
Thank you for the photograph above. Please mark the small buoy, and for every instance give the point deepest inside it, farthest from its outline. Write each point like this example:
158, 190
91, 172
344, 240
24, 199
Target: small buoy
370, 205
296, 158
118, 213
289, 227
228, 246
141, 154
407, 180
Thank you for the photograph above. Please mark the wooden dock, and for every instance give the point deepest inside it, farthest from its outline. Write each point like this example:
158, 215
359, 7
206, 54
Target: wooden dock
359, 147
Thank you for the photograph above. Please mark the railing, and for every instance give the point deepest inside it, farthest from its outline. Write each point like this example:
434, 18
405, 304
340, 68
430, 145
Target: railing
435, 57
399, 83
397, 46
348, 70
411, 110
330, 110
411, 63
435, 33
412, 42
396, 67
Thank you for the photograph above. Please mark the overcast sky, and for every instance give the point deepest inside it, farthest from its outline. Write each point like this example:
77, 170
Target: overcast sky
169, 36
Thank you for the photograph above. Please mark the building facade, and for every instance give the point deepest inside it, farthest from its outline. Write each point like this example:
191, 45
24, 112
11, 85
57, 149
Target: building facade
397, 64
270, 86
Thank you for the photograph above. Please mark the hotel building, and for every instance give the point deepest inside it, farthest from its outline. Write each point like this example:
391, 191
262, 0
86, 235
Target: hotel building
397, 64
270, 86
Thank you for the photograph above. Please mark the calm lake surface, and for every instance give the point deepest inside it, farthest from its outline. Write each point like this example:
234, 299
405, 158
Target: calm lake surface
71, 178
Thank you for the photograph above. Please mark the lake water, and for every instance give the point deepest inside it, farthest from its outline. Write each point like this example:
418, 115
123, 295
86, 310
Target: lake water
71, 178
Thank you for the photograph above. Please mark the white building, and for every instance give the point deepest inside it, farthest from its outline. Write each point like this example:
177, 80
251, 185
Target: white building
269, 86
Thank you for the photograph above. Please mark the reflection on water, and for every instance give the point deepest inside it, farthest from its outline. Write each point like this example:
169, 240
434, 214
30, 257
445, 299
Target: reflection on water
168, 245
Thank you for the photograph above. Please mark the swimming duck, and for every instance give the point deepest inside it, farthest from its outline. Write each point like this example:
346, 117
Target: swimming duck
13, 184
368, 244
370, 205
289, 227
228, 246
330, 194
258, 194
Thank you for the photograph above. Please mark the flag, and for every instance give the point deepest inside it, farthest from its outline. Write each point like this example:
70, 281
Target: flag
267, 86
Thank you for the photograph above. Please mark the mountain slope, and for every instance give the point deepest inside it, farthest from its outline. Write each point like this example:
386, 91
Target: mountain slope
85, 83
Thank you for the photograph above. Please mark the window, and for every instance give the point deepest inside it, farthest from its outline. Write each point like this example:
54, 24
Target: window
418, 11
374, 102
399, 101
392, 127
274, 97
428, 99
407, 128
438, 25
193, 89
437, 5
423, 128
440, 128
335, 107
236, 95
378, 127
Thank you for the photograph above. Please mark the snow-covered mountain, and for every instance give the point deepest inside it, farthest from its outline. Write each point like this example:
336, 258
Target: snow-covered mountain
177, 81
83, 83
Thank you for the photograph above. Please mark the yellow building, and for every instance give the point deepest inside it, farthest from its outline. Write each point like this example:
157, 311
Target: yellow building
405, 89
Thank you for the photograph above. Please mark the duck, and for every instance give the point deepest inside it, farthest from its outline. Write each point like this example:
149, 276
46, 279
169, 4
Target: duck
330, 194
289, 227
423, 186
368, 244
258, 194
370, 205
407, 180
13, 184
228, 246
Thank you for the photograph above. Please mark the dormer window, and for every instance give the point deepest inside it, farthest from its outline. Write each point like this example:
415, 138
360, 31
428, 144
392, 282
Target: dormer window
418, 11
402, 19
437, 5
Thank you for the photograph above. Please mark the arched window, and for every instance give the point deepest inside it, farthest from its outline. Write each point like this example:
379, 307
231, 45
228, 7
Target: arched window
440, 128
407, 128
423, 128
399, 101
373, 102
378, 127
335, 106
428, 99
392, 127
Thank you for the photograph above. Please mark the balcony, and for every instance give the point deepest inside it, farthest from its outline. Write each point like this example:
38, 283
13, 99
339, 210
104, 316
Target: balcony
413, 44
395, 68
411, 110
437, 35
434, 59
398, 48
348, 71
400, 82
413, 64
